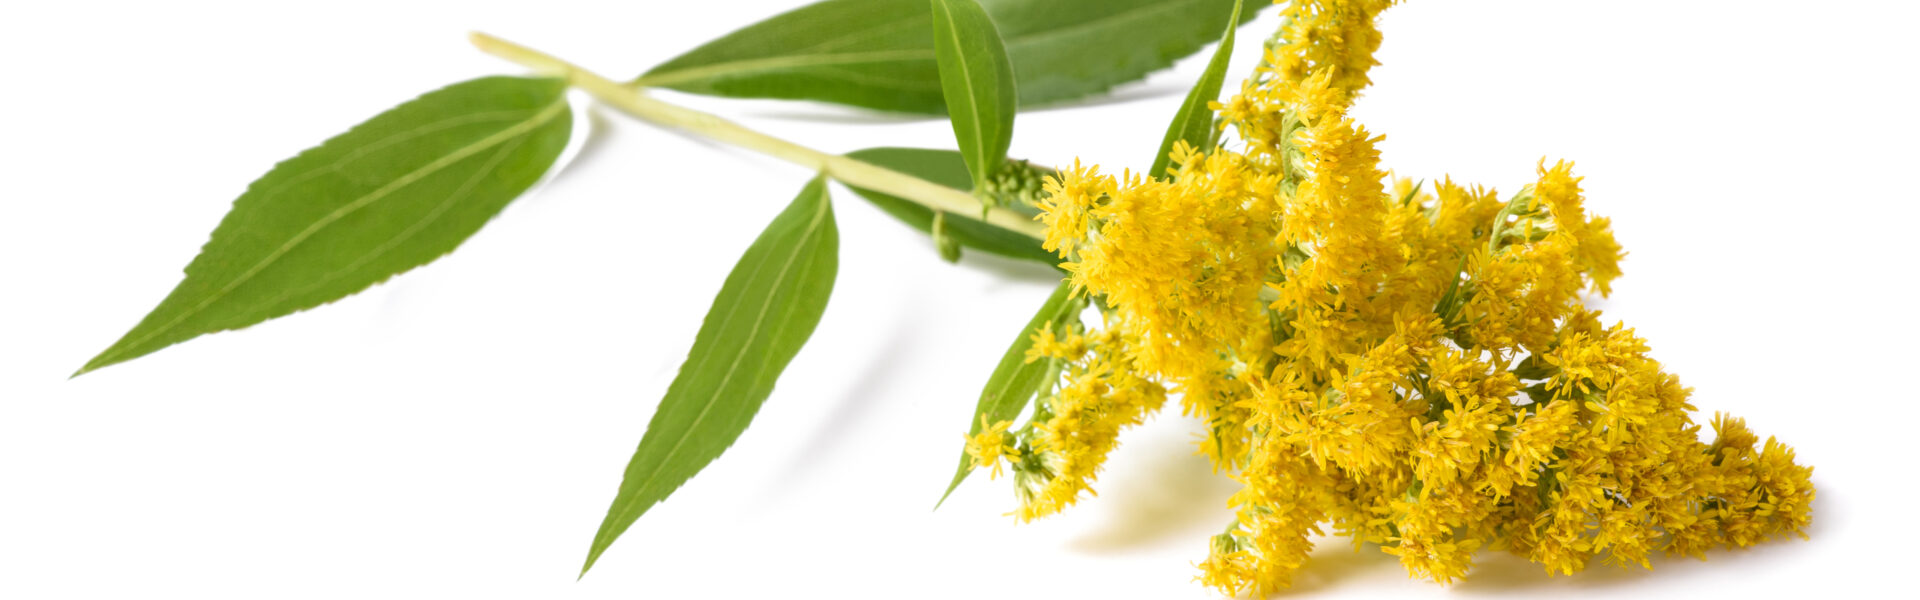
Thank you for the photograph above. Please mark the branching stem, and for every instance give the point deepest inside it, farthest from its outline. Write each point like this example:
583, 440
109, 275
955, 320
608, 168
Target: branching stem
846, 170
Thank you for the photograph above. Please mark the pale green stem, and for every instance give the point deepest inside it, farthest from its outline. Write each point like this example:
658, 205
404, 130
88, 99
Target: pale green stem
846, 170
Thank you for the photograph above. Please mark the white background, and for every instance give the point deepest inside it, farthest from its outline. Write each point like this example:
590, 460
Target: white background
459, 431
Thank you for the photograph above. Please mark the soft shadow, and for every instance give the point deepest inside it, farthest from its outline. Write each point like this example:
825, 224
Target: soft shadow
1007, 271
592, 143
859, 402
1503, 573
1334, 561
1124, 94
1172, 493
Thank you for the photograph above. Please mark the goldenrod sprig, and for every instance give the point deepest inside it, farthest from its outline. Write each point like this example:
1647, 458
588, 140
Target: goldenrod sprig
1415, 369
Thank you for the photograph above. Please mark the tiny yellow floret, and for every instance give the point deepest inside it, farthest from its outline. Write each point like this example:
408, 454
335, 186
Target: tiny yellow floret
1411, 365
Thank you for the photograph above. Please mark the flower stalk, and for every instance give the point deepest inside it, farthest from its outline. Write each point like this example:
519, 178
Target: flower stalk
852, 172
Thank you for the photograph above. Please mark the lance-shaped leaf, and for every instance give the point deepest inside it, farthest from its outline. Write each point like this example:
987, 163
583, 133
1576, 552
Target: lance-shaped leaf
879, 53
977, 81
1194, 123
1015, 381
945, 167
389, 195
764, 313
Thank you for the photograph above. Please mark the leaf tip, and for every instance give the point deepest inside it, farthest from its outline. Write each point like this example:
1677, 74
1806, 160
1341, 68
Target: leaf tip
92, 365
593, 555
965, 468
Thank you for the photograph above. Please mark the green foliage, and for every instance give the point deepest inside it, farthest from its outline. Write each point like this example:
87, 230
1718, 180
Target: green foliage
414, 182
879, 54
764, 313
945, 167
977, 80
393, 193
1194, 123
1015, 381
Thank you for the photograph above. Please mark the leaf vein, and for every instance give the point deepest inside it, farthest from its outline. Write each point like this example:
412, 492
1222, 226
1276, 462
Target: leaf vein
409, 178
627, 511
726, 69
433, 216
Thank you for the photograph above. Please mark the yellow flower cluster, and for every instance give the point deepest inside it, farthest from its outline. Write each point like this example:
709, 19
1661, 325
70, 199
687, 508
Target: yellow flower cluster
1413, 368
1058, 454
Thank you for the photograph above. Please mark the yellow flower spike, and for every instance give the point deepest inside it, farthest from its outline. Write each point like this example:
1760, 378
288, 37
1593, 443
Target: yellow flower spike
1411, 367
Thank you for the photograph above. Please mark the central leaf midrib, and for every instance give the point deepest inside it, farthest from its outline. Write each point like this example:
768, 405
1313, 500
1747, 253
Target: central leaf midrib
973, 103
753, 333
413, 229
547, 114
725, 69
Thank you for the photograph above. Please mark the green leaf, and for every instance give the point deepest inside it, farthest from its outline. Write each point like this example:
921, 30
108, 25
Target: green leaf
977, 80
945, 167
391, 194
764, 313
879, 54
1063, 49
1015, 381
1194, 122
